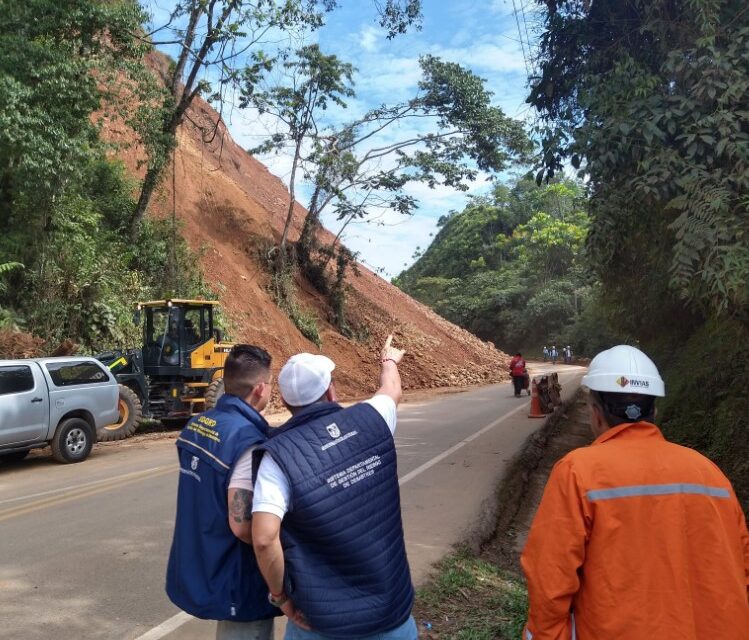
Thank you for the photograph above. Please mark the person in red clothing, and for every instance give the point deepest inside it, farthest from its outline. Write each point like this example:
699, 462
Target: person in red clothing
518, 373
635, 537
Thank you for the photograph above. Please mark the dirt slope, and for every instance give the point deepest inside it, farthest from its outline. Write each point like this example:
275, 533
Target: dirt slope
232, 208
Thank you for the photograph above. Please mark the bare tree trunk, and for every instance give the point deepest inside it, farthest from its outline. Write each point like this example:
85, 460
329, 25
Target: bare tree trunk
335, 241
292, 199
146, 191
183, 96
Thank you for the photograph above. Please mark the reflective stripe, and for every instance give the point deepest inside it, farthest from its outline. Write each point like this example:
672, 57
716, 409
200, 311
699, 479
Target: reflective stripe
658, 490
528, 634
574, 628
205, 451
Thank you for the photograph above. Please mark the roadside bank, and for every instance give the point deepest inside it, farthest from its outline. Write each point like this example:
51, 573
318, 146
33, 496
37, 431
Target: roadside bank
478, 592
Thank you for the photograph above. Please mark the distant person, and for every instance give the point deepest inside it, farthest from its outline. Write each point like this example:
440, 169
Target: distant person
567, 355
554, 354
192, 337
326, 513
169, 344
546, 353
212, 572
518, 371
636, 537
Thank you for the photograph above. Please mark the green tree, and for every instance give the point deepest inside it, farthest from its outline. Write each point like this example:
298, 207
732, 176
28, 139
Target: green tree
316, 81
219, 45
461, 133
551, 246
505, 269
650, 99
55, 64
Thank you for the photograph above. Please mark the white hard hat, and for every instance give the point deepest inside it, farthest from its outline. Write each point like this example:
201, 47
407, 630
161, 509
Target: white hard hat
305, 378
624, 369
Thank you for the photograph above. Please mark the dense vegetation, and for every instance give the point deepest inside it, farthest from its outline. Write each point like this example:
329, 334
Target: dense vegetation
649, 100
67, 268
510, 267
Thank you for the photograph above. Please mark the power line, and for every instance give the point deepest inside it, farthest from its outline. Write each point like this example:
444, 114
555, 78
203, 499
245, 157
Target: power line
527, 35
520, 35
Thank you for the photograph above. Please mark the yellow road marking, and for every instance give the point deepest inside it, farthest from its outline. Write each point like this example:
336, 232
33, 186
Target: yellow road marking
75, 494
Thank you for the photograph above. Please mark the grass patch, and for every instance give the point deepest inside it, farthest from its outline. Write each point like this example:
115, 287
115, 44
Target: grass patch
305, 321
471, 599
283, 290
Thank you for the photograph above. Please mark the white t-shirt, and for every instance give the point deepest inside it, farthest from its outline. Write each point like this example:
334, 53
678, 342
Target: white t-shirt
272, 490
241, 477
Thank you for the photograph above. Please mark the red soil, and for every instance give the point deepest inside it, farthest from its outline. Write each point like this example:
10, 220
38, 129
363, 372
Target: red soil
233, 209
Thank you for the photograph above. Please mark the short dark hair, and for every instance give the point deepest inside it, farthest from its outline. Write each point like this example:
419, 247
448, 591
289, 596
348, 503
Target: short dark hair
619, 408
245, 366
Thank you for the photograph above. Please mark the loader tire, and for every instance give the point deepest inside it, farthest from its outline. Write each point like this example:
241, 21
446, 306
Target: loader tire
214, 391
131, 414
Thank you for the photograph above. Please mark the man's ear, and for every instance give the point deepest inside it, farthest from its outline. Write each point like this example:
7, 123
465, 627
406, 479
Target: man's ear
330, 394
255, 395
598, 424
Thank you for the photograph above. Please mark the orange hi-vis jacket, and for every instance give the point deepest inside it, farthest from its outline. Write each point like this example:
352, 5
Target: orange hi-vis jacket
637, 538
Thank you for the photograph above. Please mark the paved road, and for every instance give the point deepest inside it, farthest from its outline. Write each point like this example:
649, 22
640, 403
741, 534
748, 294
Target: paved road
84, 546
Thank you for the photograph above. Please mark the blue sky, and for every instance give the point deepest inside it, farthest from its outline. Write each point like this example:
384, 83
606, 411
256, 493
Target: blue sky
481, 35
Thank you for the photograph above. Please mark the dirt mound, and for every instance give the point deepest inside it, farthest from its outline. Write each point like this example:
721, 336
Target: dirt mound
233, 209
16, 344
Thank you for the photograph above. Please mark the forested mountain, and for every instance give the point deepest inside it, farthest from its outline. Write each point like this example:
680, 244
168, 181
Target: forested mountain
510, 268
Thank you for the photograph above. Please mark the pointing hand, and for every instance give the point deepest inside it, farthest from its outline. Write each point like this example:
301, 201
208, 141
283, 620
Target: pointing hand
391, 353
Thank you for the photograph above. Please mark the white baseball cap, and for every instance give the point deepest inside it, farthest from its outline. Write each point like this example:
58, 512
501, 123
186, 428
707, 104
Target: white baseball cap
305, 378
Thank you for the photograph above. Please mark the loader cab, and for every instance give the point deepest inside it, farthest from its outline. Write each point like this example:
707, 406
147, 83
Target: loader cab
173, 330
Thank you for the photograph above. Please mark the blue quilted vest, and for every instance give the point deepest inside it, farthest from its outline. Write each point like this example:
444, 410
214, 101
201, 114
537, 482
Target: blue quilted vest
346, 565
212, 574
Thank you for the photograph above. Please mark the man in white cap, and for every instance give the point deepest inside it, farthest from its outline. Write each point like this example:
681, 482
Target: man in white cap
327, 526
635, 537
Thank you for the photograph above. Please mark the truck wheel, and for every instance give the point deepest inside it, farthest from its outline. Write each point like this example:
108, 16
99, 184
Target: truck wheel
131, 414
72, 441
214, 391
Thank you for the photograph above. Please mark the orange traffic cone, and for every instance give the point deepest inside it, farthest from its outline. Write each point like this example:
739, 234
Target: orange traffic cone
536, 411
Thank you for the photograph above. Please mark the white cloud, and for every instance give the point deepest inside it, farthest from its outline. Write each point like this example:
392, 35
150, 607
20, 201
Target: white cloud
503, 56
499, 6
390, 79
369, 38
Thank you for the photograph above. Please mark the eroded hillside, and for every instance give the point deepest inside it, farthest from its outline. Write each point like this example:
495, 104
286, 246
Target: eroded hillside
233, 209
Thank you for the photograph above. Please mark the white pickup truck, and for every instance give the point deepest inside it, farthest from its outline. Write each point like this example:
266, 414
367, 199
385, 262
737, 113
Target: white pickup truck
60, 402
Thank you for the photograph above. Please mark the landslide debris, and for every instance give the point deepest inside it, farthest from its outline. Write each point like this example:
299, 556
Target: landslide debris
231, 208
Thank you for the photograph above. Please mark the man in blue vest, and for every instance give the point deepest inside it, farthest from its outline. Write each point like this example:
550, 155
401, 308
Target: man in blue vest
327, 526
212, 571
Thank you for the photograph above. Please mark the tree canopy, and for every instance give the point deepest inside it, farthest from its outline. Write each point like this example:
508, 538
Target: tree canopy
510, 266
650, 99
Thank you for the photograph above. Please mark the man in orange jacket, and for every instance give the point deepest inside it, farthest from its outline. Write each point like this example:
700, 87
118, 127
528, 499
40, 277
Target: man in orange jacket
636, 537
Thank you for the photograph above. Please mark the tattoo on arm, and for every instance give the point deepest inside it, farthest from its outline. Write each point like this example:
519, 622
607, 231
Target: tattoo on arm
240, 508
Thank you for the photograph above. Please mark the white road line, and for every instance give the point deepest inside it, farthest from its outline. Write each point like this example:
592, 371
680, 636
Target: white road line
166, 627
93, 483
419, 470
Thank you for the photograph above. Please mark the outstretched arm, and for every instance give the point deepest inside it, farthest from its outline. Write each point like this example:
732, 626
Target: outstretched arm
390, 379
